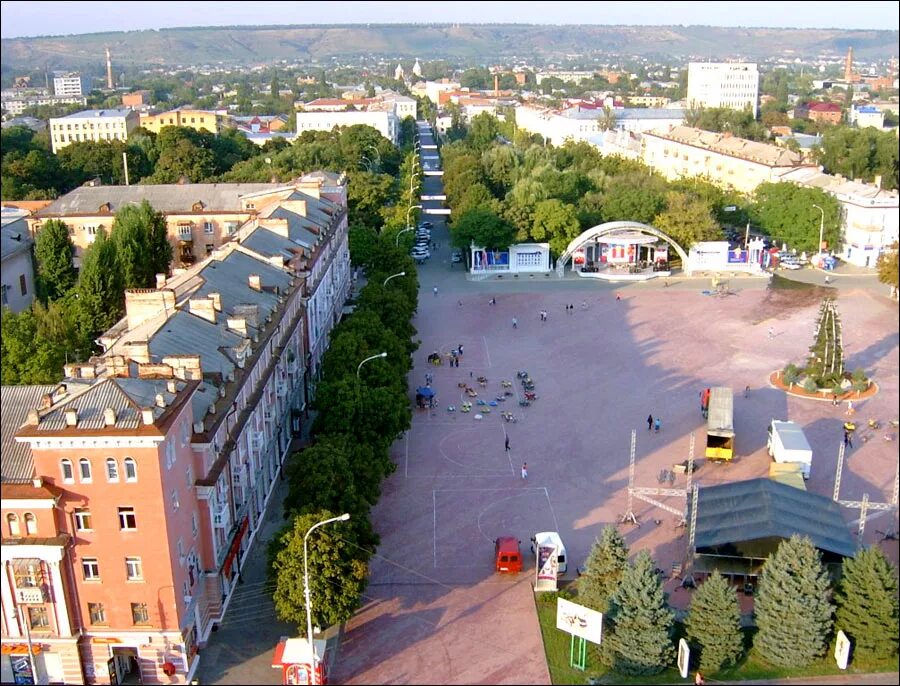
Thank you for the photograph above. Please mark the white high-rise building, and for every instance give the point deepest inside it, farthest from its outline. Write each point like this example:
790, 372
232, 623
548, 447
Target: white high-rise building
70, 85
723, 84
92, 125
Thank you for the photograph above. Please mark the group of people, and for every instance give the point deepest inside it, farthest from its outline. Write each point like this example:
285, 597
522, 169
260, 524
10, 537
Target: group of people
653, 423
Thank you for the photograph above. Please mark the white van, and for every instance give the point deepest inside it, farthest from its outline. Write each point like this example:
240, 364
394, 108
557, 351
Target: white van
551, 539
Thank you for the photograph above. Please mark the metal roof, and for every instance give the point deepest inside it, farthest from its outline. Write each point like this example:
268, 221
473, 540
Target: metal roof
98, 114
16, 465
763, 508
187, 334
14, 238
229, 278
721, 411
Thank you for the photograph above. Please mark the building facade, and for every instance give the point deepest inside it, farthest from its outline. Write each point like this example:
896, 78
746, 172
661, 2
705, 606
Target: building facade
16, 261
70, 85
383, 113
734, 85
92, 125
199, 120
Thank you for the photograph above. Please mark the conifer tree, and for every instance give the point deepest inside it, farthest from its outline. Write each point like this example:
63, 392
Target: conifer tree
867, 605
793, 610
143, 250
714, 623
642, 623
100, 291
603, 570
53, 252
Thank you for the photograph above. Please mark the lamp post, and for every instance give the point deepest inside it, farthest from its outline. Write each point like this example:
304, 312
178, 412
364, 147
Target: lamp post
374, 357
821, 229
410, 209
392, 276
377, 154
397, 238
368, 163
309, 634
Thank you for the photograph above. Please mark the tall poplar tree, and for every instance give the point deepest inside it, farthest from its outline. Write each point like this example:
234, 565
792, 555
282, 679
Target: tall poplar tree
642, 623
867, 605
53, 251
100, 290
143, 250
793, 612
603, 570
714, 622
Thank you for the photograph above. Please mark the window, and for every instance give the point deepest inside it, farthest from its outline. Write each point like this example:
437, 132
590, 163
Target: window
90, 568
134, 571
209, 248
208, 228
83, 519
23, 284
97, 613
139, 613
194, 525
12, 523
38, 617
112, 469
84, 467
30, 524
130, 469
184, 231
189, 477
127, 519
175, 503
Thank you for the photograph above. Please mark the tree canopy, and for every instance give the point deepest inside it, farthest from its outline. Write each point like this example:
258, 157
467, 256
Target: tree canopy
786, 212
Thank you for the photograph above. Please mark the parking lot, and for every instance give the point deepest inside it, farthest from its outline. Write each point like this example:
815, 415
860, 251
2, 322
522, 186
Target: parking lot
436, 612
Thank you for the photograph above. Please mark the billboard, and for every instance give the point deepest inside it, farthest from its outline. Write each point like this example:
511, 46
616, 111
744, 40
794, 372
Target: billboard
579, 620
547, 568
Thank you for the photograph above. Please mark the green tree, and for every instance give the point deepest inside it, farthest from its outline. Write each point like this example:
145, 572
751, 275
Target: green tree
867, 605
687, 219
634, 197
714, 622
475, 197
887, 266
860, 153
27, 358
53, 252
100, 291
338, 570
793, 610
482, 226
786, 212
603, 570
142, 248
367, 194
556, 223
483, 131
643, 625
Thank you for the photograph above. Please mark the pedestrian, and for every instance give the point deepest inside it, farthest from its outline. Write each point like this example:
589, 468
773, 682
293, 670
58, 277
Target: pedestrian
747, 391
571, 309
460, 349
656, 424
771, 332
834, 401
584, 304
848, 440
524, 470
618, 297
460, 303
515, 323
492, 301
698, 679
435, 290
850, 409
649, 422
506, 446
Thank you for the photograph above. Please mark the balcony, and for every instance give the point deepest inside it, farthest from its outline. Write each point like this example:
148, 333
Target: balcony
221, 517
30, 596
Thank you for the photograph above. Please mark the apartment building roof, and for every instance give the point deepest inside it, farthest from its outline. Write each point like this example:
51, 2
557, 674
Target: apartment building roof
170, 198
823, 107
16, 465
14, 238
725, 144
99, 114
853, 191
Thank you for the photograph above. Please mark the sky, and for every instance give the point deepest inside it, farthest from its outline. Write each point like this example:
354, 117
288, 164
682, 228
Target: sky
28, 18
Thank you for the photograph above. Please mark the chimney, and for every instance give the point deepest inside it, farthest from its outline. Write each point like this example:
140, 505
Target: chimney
147, 416
142, 304
204, 308
496, 84
216, 301
160, 280
109, 76
109, 417
255, 282
877, 181
37, 482
250, 313
46, 402
172, 386
160, 400
238, 325
138, 351
33, 418
71, 417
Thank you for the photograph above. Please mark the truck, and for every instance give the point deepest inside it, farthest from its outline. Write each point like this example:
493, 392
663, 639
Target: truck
720, 424
507, 556
787, 443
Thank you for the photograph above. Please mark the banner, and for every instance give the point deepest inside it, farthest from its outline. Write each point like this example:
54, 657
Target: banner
547, 568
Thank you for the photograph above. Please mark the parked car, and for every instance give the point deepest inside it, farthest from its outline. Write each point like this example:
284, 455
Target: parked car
456, 256
420, 253
427, 225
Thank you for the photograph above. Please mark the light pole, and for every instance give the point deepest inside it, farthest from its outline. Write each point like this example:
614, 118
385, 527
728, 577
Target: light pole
392, 276
410, 209
309, 634
377, 154
374, 357
397, 238
368, 163
821, 229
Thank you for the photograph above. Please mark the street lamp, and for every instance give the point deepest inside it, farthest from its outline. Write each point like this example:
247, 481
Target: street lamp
821, 229
309, 634
391, 277
374, 357
410, 209
397, 239
377, 154
368, 162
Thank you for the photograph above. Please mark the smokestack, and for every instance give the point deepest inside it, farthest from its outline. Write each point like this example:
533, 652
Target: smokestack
109, 78
496, 84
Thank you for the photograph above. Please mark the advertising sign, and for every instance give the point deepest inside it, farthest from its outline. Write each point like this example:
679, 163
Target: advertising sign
547, 568
841, 650
684, 658
579, 620
22, 673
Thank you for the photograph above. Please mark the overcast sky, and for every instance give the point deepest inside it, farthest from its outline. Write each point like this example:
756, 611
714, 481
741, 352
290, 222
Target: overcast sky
60, 18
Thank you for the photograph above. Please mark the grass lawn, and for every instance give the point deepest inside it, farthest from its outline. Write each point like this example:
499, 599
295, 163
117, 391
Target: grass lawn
556, 649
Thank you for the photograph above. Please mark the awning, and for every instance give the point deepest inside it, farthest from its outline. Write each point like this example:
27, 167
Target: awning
19, 649
425, 391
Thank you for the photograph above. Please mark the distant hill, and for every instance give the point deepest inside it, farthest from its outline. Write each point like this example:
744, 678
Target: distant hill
485, 43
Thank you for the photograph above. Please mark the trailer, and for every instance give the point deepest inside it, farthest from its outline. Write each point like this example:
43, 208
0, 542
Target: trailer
787, 444
720, 425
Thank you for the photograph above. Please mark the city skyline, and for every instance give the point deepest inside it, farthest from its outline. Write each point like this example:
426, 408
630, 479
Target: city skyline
25, 19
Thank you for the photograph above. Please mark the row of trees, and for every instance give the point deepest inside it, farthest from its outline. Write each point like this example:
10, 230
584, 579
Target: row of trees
796, 609
360, 413
504, 192
73, 307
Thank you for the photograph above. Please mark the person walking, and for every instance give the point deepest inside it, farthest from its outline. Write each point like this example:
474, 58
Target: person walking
649, 422
771, 332
850, 407
656, 424
848, 439
435, 290
524, 470
506, 444
515, 323
460, 349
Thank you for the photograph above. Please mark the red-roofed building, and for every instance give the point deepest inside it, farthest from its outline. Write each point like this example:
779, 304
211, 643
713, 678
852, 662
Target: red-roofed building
823, 112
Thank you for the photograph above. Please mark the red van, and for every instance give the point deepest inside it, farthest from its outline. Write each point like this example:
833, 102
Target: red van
507, 556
